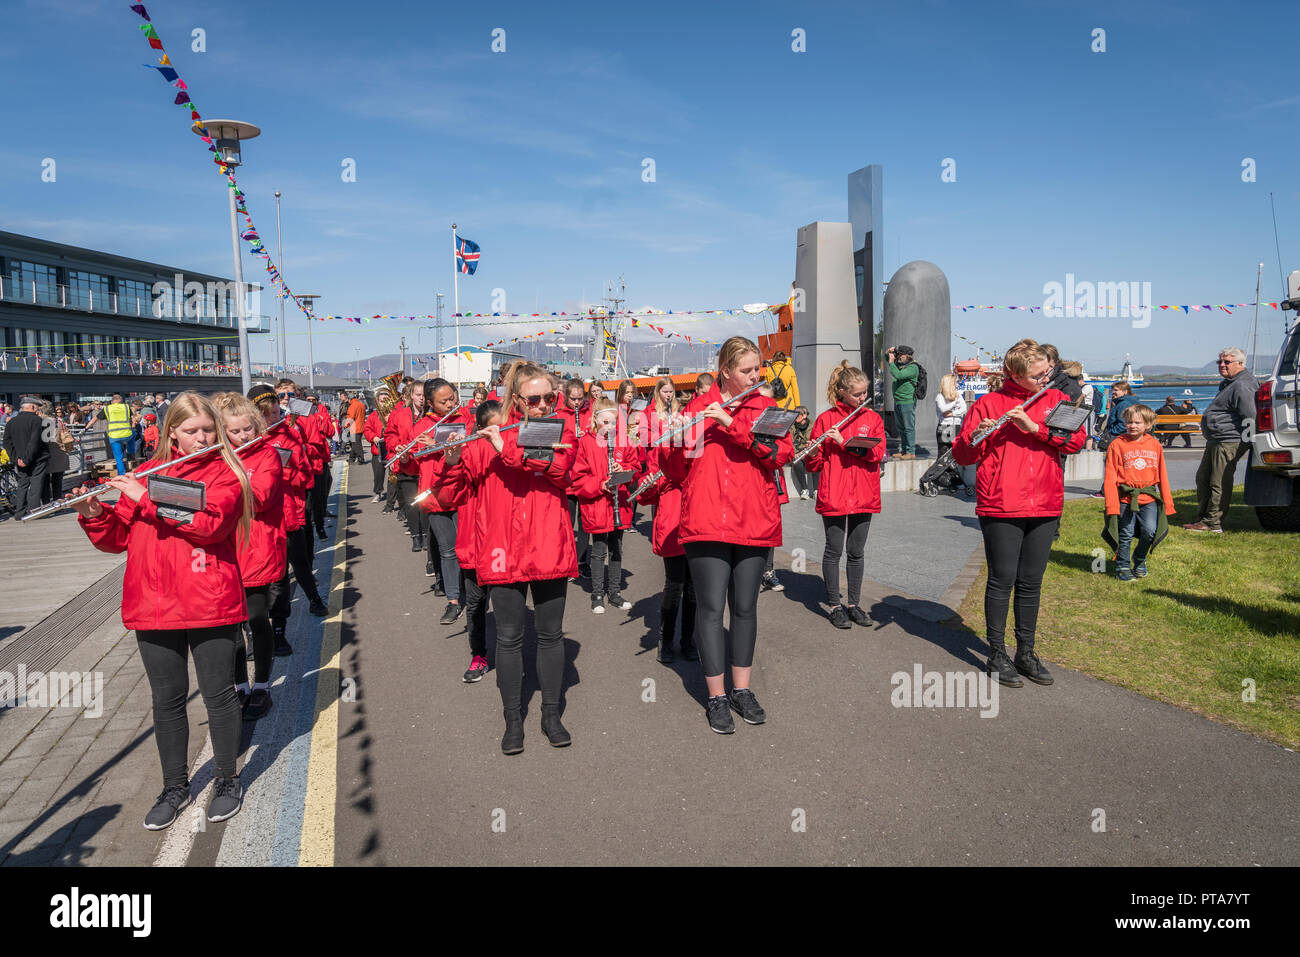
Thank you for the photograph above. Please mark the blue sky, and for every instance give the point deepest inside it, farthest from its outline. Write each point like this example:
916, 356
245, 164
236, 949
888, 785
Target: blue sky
1115, 166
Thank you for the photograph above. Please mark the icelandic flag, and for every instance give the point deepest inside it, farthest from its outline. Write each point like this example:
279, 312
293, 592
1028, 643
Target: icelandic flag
466, 256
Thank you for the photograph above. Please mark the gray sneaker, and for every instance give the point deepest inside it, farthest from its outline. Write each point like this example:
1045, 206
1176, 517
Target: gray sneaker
719, 716
171, 802
744, 703
227, 799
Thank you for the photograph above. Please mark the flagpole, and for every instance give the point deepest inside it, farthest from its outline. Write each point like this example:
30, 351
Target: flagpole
455, 286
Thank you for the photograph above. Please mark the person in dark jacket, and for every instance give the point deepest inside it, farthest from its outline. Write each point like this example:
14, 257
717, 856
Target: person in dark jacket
800, 433
1172, 408
30, 453
1222, 424
1061, 379
1121, 395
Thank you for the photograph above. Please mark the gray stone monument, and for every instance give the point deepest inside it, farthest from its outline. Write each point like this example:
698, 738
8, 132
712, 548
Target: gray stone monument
826, 332
918, 313
867, 215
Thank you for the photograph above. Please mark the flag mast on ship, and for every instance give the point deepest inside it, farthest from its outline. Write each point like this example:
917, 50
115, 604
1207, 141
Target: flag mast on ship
455, 284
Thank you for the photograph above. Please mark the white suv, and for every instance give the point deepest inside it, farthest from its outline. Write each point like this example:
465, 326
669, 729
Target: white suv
1273, 484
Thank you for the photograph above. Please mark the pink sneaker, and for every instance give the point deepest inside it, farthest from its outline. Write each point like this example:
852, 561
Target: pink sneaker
478, 667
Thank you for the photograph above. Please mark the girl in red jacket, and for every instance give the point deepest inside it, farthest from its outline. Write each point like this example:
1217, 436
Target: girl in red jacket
577, 407
299, 438
849, 493
665, 541
182, 591
523, 541
1019, 488
590, 478
262, 557
403, 425
730, 517
373, 432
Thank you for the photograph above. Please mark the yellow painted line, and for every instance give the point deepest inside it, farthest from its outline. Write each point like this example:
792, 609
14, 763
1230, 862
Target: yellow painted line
316, 848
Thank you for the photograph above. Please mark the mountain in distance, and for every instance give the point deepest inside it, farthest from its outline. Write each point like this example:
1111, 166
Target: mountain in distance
1209, 369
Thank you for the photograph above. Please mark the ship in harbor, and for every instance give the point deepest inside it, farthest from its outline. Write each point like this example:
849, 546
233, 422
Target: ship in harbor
972, 376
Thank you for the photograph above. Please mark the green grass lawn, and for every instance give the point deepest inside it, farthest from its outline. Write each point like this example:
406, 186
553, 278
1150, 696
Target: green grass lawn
1214, 611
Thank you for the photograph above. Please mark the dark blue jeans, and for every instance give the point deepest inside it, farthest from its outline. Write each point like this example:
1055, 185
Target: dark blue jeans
905, 420
1143, 521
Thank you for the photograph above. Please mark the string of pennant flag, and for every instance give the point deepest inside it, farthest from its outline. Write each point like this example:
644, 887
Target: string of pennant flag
167, 70
1069, 310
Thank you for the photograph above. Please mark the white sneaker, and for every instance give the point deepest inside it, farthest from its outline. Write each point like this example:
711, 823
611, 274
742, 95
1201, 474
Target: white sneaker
804, 496
377, 498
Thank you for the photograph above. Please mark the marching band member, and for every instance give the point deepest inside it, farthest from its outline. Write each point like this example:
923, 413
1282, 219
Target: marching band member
320, 490
730, 516
1019, 491
578, 407
299, 475
600, 452
770, 582
373, 432
522, 541
665, 541
262, 556
182, 591
662, 410
399, 431
849, 493
440, 400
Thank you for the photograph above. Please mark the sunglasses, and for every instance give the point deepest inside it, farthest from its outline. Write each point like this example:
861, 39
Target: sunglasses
534, 400
1226, 362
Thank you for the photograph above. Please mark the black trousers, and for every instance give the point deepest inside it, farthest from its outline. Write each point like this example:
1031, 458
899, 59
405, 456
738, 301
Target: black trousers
53, 487
581, 540
31, 483
726, 574
320, 493
300, 561
840, 529
163, 655
441, 545
605, 544
475, 613
679, 591
378, 471
407, 489
358, 449
1017, 550
259, 623
509, 605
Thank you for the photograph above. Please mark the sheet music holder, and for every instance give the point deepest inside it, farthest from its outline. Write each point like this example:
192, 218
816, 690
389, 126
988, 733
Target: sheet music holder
640, 405
541, 433
1068, 417
621, 478
774, 422
285, 455
176, 498
862, 442
447, 432
301, 407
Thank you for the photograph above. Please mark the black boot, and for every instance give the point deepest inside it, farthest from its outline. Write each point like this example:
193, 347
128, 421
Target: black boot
1027, 663
551, 727
282, 647
667, 628
1000, 665
512, 742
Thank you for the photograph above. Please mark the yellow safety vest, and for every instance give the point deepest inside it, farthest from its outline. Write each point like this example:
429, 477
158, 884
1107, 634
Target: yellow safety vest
119, 420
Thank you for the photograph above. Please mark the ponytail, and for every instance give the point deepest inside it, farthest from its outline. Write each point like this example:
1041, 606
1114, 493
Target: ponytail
842, 377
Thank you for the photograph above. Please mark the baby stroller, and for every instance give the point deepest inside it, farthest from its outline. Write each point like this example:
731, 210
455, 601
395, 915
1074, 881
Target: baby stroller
943, 474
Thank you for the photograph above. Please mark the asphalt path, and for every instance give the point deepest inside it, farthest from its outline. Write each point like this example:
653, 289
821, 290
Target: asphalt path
1078, 773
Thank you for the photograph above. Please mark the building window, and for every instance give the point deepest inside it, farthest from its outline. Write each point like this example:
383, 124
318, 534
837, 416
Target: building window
44, 279
133, 298
88, 290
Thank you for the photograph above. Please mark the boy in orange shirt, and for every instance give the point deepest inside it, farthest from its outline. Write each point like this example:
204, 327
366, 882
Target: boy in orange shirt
1136, 486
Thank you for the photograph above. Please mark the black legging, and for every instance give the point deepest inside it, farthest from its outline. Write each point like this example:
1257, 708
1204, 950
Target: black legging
611, 544
1016, 550
726, 574
320, 492
358, 449
407, 488
581, 540
475, 601
300, 560
163, 655
379, 472
679, 590
509, 604
259, 623
839, 527
442, 543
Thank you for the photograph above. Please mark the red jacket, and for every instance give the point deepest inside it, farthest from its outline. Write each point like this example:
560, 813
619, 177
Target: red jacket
1019, 474
849, 484
326, 420
178, 576
581, 422
315, 445
521, 523
400, 430
728, 493
373, 432
590, 472
666, 497
262, 555
296, 473
453, 490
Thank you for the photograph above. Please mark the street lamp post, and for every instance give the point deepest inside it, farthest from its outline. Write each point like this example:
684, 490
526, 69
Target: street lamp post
228, 134
309, 299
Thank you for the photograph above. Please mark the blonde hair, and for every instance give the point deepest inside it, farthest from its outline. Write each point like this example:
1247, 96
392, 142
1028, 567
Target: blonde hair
232, 405
187, 405
625, 386
732, 351
1073, 369
603, 404
673, 406
948, 387
842, 377
1148, 415
1018, 357
995, 381
519, 372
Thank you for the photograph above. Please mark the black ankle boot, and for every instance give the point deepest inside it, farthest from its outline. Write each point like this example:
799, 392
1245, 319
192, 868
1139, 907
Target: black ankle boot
1027, 664
512, 742
551, 727
667, 629
1000, 666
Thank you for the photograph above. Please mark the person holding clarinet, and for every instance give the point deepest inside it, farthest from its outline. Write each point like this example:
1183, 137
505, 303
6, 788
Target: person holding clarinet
730, 517
1019, 491
841, 452
182, 595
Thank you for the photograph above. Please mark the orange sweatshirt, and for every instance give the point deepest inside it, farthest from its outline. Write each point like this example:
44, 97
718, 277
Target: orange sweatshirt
1136, 462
